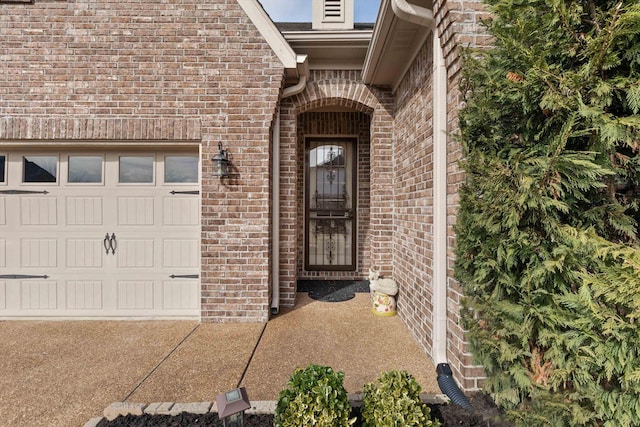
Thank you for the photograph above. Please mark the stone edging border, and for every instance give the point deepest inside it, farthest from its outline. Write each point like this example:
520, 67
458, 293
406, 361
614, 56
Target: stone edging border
171, 408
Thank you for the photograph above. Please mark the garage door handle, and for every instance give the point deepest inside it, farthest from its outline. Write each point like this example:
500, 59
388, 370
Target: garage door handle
110, 243
113, 243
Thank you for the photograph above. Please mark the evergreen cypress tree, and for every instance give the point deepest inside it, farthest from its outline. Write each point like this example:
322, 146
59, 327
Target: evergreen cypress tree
548, 247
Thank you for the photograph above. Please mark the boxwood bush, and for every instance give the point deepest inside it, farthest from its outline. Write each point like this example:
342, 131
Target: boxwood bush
395, 401
315, 396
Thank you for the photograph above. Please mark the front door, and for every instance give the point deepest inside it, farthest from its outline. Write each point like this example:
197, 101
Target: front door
330, 204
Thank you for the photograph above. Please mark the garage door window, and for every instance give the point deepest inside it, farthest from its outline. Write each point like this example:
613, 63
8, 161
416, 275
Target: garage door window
181, 169
3, 161
40, 169
136, 170
85, 169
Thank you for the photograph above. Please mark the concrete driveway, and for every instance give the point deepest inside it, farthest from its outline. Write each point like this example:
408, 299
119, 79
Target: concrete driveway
62, 373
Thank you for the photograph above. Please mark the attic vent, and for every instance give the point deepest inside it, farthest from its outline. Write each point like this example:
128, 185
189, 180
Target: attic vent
333, 10
332, 15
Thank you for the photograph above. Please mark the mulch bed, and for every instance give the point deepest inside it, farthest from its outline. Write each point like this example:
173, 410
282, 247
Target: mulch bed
449, 415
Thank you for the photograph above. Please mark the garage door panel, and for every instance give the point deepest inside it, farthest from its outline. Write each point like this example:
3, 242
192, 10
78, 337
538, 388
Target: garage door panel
84, 295
39, 253
135, 211
180, 295
181, 211
99, 247
3, 253
84, 253
3, 211
38, 295
38, 211
180, 253
84, 210
135, 295
135, 253
3, 295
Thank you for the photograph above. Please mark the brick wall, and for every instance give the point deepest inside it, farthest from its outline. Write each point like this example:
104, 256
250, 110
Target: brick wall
413, 218
337, 103
142, 71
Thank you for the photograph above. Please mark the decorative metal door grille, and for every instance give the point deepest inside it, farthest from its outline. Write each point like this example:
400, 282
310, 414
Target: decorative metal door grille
330, 205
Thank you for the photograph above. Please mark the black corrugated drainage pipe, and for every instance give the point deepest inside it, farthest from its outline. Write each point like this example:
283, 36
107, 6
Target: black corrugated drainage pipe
450, 388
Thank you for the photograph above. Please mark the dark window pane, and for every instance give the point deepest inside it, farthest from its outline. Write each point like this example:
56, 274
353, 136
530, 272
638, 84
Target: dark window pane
181, 169
85, 169
40, 168
136, 169
3, 160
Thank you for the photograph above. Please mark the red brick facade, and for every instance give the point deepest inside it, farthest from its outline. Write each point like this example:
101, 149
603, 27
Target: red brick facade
337, 103
150, 74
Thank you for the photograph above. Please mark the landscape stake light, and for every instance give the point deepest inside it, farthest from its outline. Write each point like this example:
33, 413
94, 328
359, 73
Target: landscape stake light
231, 407
221, 162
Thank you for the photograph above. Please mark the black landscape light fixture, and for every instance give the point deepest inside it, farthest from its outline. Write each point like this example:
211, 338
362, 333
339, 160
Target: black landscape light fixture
231, 407
221, 162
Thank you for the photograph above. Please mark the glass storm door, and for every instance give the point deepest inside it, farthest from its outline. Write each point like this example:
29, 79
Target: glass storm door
330, 204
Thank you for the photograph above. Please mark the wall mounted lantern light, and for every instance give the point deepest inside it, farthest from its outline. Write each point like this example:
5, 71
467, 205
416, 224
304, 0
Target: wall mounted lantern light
221, 162
231, 407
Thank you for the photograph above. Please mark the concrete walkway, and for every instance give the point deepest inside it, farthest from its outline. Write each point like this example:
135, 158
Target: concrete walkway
64, 373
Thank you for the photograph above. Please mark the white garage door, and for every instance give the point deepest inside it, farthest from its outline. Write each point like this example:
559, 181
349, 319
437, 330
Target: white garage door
99, 234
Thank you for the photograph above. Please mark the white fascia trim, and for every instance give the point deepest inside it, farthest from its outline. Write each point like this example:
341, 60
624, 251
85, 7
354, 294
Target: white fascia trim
270, 32
337, 36
388, 10
378, 40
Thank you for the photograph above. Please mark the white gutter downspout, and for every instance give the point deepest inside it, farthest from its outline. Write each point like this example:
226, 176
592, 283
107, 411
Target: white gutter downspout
303, 70
421, 16
424, 17
439, 349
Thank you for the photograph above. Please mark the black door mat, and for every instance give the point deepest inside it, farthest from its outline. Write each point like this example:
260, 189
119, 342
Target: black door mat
333, 290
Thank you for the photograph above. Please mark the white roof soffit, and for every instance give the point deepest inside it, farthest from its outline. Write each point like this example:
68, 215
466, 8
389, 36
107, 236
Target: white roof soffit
400, 31
271, 34
331, 49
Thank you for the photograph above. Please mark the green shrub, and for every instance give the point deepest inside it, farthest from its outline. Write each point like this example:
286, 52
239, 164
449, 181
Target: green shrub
395, 402
547, 246
315, 396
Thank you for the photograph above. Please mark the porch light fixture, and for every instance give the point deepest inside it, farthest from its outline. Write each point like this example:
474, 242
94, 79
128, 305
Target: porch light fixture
231, 407
221, 162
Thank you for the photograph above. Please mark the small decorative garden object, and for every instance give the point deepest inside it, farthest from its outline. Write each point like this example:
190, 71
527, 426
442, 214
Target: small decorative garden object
383, 291
315, 396
395, 402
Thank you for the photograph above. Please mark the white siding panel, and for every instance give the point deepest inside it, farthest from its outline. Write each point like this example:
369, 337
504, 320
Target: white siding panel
39, 211
180, 253
84, 253
135, 210
84, 295
180, 295
38, 295
135, 295
84, 211
39, 253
